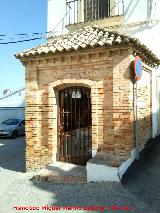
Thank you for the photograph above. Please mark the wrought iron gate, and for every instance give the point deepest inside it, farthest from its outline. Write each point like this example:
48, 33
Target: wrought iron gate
74, 125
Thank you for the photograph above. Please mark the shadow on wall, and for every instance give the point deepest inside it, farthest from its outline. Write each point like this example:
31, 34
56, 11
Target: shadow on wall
149, 9
144, 28
126, 14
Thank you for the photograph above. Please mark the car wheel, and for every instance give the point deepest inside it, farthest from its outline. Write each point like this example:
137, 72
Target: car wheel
14, 134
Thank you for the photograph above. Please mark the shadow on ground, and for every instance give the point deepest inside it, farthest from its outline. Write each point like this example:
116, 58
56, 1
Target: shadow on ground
142, 179
139, 190
12, 154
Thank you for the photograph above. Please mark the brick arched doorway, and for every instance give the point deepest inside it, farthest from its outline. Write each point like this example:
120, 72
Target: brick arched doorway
74, 125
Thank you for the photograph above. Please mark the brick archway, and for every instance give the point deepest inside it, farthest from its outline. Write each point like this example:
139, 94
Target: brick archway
53, 89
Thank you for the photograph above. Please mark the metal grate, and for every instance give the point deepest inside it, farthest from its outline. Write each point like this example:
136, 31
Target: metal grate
88, 10
74, 125
96, 9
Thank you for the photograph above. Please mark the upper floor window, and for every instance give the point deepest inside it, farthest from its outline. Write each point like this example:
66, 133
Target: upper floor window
96, 9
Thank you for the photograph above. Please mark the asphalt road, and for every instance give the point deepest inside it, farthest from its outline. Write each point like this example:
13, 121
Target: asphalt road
140, 190
12, 154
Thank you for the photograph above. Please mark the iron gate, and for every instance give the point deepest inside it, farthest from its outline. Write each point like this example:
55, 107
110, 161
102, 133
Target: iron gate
74, 125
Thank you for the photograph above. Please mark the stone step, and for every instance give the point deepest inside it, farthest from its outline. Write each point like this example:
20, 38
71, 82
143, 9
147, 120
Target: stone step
60, 172
60, 179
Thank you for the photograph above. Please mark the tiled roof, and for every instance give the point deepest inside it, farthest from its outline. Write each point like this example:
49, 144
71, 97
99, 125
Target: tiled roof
87, 37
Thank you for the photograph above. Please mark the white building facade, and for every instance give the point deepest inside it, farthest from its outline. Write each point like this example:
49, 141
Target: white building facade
12, 105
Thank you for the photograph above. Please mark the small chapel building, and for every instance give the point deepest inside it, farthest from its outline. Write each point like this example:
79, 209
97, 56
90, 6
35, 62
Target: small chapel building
81, 101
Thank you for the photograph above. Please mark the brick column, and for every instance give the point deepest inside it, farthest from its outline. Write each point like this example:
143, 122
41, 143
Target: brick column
36, 154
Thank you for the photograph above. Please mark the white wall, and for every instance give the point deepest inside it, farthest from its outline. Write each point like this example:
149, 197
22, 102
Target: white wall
154, 106
56, 11
146, 33
13, 105
155, 7
156, 102
141, 10
149, 37
135, 11
6, 113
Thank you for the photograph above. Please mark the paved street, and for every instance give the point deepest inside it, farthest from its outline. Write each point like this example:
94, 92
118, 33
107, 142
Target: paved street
140, 189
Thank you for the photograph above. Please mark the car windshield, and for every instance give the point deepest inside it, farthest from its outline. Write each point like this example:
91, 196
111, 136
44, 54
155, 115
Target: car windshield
11, 122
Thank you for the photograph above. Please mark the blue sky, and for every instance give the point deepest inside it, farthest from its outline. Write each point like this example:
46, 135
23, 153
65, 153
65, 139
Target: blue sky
18, 16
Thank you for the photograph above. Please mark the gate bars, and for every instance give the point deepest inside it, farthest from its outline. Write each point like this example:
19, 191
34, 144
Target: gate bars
74, 125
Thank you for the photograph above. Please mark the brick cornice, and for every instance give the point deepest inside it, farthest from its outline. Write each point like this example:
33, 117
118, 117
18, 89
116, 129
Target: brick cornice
72, 58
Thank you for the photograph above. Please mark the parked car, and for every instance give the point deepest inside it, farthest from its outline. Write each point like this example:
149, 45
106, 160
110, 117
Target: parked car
12, 127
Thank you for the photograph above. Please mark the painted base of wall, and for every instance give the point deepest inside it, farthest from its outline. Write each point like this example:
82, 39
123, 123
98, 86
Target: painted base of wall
98, 171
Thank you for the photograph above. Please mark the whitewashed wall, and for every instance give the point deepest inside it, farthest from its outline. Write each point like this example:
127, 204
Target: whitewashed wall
56, 11
141, 10
135, 11
6, 113
154, 106
156, 102
12, 105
